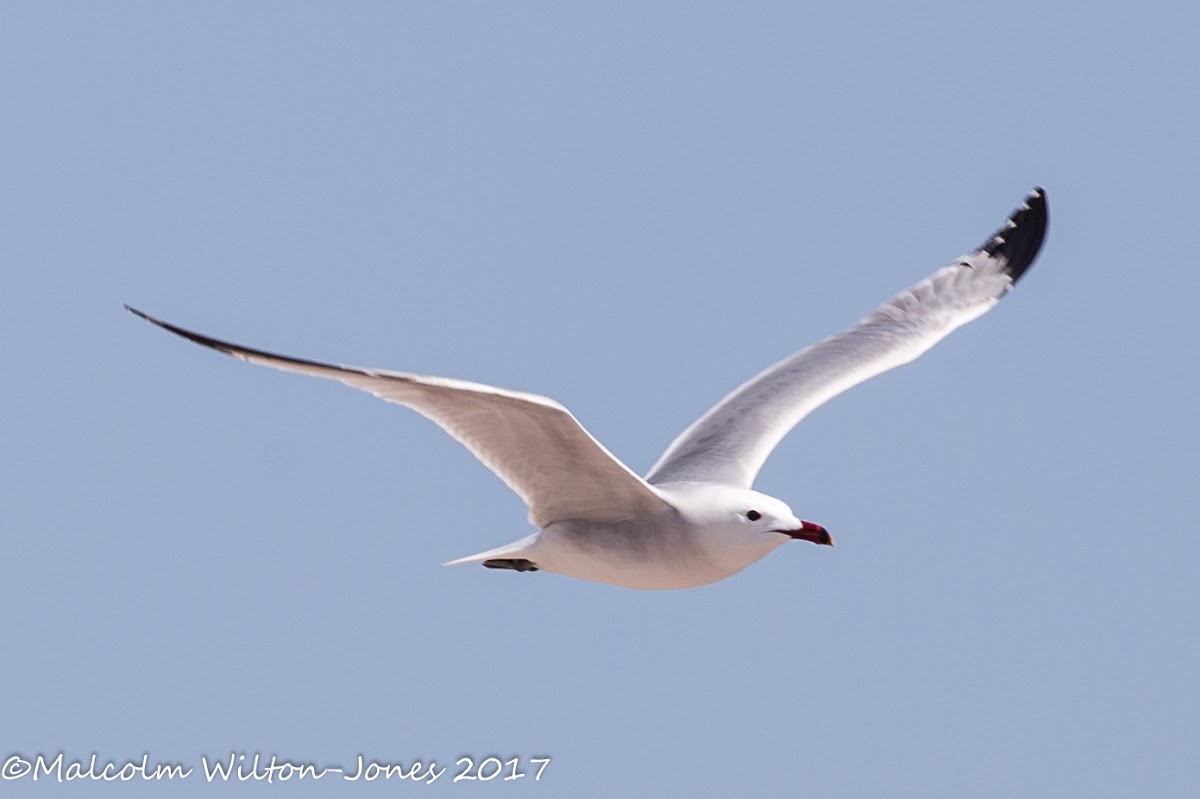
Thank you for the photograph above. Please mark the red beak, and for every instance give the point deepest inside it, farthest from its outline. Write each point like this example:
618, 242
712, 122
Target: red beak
811, 532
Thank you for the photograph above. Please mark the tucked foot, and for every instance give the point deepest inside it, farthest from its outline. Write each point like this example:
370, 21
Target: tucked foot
516, 564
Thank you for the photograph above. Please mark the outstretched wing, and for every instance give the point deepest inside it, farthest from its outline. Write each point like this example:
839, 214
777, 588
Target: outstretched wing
730, 443
531, 442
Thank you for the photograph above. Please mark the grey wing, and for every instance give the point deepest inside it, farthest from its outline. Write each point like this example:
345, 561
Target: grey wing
730, 443
531, 442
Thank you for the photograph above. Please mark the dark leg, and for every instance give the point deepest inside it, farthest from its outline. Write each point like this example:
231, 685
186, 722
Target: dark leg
516, 564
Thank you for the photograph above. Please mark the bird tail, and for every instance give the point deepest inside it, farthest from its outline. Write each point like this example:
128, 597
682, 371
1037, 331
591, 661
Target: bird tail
517, 549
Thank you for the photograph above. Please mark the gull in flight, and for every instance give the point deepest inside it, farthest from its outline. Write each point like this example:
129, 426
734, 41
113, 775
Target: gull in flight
693, 519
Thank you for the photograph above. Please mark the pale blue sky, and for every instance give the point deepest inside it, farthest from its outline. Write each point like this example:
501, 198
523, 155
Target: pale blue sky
631, 210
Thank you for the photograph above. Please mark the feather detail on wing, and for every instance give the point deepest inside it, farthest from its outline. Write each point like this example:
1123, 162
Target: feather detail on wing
531, 442
730, 443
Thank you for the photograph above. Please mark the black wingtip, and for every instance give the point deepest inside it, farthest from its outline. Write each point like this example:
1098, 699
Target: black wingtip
207, 341
238, 351
152, 320
1019, 241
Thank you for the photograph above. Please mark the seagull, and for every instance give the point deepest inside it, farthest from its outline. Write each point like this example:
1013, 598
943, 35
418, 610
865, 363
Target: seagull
694, 518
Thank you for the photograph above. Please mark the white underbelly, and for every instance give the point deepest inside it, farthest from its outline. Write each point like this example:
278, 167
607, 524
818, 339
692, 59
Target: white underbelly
633, 560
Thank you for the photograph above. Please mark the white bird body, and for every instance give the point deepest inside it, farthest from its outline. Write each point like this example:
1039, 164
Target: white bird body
703, 536
693, 519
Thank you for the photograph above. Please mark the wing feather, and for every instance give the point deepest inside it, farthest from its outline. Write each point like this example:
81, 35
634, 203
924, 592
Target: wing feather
531, 442
730, 443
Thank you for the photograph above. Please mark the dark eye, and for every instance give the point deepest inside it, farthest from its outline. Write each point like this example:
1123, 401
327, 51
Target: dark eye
753, 515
